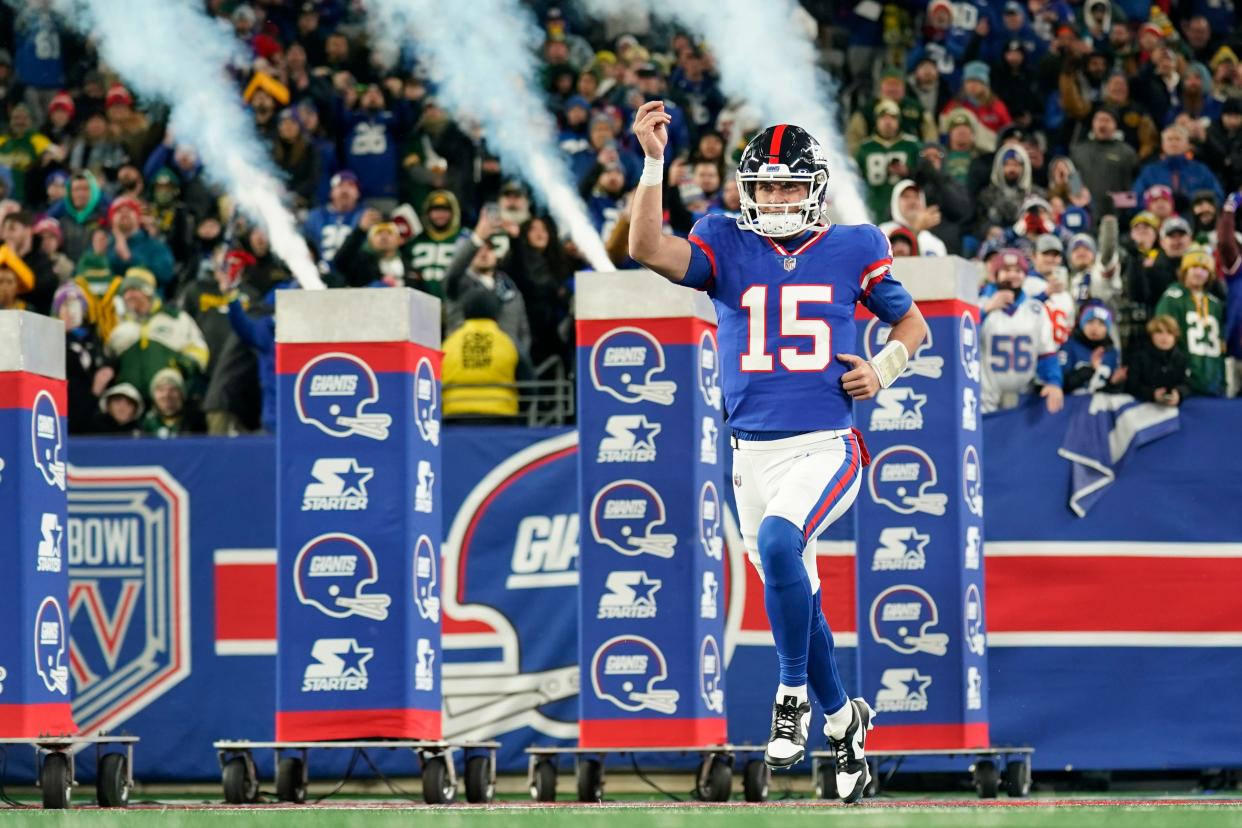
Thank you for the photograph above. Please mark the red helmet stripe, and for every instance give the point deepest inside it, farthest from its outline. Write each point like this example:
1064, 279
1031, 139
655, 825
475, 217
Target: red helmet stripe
774, 149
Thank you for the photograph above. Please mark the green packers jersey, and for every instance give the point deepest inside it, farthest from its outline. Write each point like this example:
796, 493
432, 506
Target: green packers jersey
874, 159
1201, 318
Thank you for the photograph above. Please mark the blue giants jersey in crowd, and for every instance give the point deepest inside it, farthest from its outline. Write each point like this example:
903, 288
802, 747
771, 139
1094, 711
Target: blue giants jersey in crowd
784, 313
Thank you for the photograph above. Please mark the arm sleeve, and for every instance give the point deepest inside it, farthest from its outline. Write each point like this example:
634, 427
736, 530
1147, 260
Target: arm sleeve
880, 292
250, 332
701, 272
1048, 369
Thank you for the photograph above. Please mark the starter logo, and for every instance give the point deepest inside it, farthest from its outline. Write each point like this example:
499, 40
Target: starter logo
898, 409
976, 637
422, 490
707, 598
332, 391
339, 485
972, 481
904, 690
901, 549
970, 410
425, 669
974, 689
624, 517
707, 442
973, 542
631, 439
631, 594
49, 546
340, 666
625, 363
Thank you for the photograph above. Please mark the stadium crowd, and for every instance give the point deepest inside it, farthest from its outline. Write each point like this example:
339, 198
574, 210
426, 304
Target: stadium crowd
1090, 155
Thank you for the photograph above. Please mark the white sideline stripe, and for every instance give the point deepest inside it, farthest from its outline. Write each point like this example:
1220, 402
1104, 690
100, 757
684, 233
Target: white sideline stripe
1115, 639
230, 646
1110, 549
234, 557
763, 638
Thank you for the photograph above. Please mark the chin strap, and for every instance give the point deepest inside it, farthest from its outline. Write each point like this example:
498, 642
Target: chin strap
890, 362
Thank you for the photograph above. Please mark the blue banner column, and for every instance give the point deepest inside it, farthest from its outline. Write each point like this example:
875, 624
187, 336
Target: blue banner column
34, 589
358, 515
651, 602
921, 635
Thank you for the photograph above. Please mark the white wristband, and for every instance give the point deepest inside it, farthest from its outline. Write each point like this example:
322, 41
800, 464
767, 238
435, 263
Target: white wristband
890, 362
653, 172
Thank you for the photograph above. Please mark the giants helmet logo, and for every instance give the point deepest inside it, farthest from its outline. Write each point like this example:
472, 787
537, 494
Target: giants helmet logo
968, 337
901, 478
426, 592
332, 573
709, 369
331, 393
902, 617
626, 670
623, 364
427, 402
624, 515
47, 440
50, 645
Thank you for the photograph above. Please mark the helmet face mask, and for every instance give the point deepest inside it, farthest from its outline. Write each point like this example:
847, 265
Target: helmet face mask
783, 154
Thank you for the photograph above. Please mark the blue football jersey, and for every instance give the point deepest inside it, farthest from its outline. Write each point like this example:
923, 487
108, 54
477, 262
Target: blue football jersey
785, 311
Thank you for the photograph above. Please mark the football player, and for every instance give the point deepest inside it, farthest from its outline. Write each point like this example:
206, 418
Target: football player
785, 282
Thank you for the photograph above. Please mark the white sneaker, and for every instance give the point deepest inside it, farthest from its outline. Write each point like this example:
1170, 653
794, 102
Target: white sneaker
852, 771
787, 742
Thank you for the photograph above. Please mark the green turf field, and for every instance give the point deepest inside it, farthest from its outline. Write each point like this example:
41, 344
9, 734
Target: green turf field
884, 816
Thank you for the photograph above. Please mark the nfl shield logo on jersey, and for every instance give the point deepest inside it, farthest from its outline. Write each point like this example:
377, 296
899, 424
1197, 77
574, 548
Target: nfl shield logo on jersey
127, 544
790, 263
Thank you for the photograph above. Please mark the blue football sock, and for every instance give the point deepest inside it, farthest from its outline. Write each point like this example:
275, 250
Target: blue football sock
787, 596
822, 663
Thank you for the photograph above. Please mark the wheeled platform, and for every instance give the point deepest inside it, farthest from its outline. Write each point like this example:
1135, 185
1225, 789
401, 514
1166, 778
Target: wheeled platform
713, 779
240, 778
54, 768
984, 770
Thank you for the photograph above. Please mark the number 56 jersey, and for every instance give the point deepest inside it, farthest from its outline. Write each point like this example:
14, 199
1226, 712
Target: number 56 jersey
785, 310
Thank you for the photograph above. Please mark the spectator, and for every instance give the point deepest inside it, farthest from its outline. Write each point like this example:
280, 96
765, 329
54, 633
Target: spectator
328, 225
481, 364
49, 237
1009, 188
85, 372
432, 250
1203, 217
1158, 200
543, 272
928, 87
913, 118
1201, 318
132, 247
152, 335
1165, 267
8, 289
1158, 372
374, 132
120, 411
964, 160
976, 96
1106, 162
1050, 286
374, 256
100, 285
885, 158
1090, 361
81, 212
1065, 183
604, 190
207, 305
1013, 82
1176, 169
21, 148
128, 126
36, 275
474, 268
1222, 148
1016, 339
171, 414
96, 151
297, 158
909, 210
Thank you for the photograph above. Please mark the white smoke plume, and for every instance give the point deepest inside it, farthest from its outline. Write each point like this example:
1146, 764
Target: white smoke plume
171, 51
481, 55
766, 60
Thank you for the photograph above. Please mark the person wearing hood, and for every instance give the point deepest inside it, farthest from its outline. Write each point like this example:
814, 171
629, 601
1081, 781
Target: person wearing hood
1106, 162
433, 249
1196, 108
153, 335
120, 411
1013, 81
1177, 168
1097, 23
1222, 149
976, 96
171, 414
909, 210
1090, 361
1001, 201
575, 126
80, 212
886, 157
475, 268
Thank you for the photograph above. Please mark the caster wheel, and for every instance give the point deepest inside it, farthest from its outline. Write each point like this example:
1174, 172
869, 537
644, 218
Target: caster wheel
717, 780
756, 777
241, 785
826, 780
112, 782
290, 780
987, 779
1018, 779
438, 786
590, 780
543, 788
55, 781
479, 785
